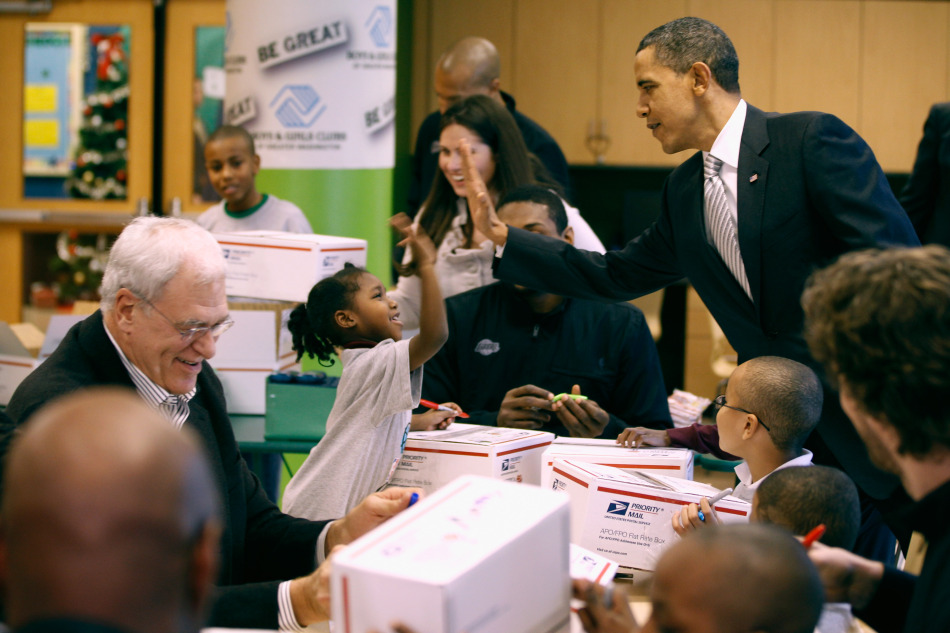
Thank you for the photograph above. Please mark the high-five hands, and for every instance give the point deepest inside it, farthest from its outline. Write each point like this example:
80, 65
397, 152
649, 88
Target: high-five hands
480, 204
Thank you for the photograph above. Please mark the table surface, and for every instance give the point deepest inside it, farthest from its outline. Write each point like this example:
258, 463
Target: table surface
249, 433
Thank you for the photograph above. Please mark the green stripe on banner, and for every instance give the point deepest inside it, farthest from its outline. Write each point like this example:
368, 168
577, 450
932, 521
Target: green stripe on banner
344, 202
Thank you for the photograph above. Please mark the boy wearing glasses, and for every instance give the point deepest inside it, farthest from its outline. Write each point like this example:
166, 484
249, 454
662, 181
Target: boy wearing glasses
770, 407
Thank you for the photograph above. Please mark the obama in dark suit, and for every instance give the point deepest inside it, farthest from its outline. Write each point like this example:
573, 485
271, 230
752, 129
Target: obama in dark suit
782, 195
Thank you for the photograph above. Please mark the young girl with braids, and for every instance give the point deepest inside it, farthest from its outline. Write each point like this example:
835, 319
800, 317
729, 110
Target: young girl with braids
380, 384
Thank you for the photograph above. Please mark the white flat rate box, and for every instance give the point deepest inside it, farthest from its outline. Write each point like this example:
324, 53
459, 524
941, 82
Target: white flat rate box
432, 459
672, 462
284, 266
626, 515
257, 345
478, 555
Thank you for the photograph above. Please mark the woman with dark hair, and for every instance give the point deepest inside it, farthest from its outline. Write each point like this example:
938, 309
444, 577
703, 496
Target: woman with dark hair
464, 258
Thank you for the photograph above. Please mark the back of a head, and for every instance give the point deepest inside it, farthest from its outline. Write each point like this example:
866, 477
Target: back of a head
879, 320
802, 498
475, 57
542, 196
681, 43
103, 501
757, 577
150, 251
786, 394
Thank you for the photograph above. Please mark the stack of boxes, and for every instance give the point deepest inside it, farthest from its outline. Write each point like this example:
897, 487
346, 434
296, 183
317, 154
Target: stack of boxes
261, 295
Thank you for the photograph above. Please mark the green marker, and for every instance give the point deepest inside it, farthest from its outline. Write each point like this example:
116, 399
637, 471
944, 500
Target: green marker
573, 396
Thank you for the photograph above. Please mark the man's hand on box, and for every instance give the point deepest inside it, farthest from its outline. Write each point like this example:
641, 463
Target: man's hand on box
372, 511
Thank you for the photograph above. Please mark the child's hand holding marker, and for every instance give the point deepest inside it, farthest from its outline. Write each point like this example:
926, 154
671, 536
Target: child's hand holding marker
694, 516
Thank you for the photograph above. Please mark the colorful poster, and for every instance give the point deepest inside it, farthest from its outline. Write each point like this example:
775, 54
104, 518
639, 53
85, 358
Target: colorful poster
314, 82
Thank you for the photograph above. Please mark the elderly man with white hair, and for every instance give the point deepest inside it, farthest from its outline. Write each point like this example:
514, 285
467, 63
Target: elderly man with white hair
163, 308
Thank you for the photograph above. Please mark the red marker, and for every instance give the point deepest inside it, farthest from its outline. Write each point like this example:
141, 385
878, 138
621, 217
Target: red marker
441, 407
816, 533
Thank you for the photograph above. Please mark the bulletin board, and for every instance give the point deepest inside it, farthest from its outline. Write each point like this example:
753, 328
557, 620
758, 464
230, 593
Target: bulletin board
51, 94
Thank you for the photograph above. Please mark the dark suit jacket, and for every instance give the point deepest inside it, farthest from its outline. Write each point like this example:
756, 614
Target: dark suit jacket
260, 545
425, 159
809, 189
926, 196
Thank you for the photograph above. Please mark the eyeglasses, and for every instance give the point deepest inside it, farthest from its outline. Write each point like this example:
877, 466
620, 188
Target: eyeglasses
194, 333
720, 402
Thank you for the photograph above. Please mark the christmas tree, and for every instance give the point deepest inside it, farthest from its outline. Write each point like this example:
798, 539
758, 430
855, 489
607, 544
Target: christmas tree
99, 170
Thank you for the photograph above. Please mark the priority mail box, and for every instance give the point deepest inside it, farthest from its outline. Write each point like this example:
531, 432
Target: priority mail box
478, 555
432, 459
284, 266
257, 345
627, 515
673, 462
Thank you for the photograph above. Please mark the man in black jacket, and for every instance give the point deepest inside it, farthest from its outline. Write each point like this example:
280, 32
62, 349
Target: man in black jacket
524, 346
163, 308
879, 322
766, 200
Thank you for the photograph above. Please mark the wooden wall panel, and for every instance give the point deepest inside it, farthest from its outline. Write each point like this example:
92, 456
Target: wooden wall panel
905, 65
437, 25
137, 14
11, 280
817, 60
421, 90
624, 24
182, 18
749, 25
556, 69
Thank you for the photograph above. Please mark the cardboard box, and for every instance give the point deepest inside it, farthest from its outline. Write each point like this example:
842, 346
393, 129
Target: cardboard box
432, 459
284, 266
258, 345
673, 462
479, 555
626, 515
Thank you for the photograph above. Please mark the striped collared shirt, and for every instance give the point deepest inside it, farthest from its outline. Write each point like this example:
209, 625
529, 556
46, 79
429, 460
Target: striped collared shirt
171, 406
175, 408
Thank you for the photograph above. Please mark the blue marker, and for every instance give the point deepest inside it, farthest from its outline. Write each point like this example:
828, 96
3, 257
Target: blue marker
412, 499
722, 495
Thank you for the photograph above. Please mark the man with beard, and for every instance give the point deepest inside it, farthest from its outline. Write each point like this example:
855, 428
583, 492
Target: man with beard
511, 349
880, 323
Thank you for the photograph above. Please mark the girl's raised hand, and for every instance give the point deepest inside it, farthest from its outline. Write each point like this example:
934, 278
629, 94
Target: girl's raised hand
415, 237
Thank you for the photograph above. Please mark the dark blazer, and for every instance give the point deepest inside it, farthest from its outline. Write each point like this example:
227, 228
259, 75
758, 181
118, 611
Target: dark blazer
926, 196
260, 546
809, 189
